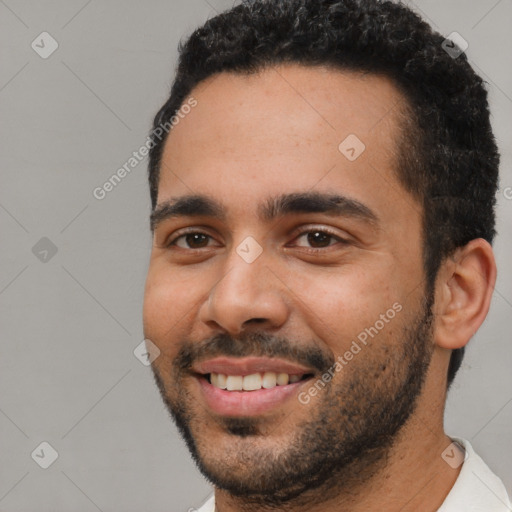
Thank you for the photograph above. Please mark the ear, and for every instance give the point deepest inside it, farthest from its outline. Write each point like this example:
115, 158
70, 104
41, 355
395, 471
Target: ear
464, 287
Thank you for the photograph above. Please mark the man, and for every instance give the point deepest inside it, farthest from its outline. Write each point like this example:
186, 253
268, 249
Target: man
323, 209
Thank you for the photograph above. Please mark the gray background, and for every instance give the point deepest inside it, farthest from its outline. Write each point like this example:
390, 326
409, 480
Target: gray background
70, 324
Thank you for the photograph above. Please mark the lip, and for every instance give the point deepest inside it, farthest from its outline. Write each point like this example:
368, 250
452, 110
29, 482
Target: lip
248, 365
246, 403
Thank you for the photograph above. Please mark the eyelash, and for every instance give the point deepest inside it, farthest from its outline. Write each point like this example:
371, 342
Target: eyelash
296, 235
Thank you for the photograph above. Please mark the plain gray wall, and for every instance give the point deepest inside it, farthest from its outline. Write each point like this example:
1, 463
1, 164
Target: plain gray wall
70, 324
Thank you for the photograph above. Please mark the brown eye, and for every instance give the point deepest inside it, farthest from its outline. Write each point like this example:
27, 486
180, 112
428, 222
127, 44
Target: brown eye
319, 238
194, 240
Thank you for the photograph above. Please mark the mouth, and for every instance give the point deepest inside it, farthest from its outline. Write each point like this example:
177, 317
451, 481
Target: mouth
254, 381
249, 395
248, 386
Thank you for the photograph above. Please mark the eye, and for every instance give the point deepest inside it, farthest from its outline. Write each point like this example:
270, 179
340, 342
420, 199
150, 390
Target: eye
191, 240
311, 239
317, 239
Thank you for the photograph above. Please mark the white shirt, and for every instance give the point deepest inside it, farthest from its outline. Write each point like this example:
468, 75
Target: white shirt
477, 488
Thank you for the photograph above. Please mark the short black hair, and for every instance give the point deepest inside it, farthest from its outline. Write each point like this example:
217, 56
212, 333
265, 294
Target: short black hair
448, 158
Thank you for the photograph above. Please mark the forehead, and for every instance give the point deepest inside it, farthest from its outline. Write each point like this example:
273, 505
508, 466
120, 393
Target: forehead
285, 129
302, 100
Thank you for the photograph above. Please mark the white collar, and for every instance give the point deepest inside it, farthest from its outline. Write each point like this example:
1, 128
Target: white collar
477, 488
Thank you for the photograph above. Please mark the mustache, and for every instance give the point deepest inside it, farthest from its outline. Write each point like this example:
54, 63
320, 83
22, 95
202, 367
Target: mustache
255, 344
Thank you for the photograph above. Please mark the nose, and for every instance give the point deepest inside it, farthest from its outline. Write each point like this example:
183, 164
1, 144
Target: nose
246, 294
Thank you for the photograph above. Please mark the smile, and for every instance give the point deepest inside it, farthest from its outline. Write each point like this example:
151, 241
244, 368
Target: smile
254, 402
253, 382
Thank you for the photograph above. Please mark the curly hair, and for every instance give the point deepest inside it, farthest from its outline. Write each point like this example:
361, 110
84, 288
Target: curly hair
448, 158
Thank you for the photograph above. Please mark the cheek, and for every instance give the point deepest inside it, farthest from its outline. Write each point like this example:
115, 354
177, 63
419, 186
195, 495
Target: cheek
343, 303
167, 301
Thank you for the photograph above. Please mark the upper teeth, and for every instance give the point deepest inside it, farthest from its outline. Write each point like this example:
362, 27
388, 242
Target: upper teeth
252, 382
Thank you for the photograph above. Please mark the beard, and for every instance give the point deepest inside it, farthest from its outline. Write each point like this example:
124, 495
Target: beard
351, 424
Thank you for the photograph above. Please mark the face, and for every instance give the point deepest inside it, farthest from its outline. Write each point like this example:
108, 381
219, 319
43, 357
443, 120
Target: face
286, 252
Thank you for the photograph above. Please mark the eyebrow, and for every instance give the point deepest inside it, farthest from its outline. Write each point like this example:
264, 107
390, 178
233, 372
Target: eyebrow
198, 205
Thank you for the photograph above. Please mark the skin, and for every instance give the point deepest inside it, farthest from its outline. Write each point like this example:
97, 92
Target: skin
276, 132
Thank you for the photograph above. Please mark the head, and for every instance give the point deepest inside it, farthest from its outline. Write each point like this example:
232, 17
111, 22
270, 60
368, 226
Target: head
276, 87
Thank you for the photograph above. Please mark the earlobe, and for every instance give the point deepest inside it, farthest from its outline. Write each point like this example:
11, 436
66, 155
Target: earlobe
463, 293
